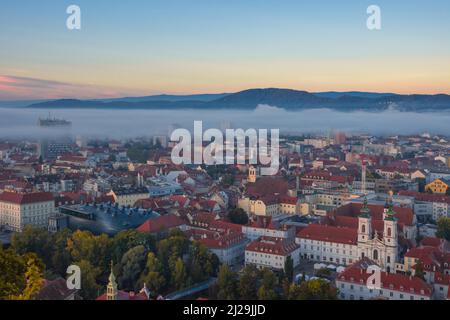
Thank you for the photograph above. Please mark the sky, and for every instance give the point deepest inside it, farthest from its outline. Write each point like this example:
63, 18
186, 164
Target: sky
144, 47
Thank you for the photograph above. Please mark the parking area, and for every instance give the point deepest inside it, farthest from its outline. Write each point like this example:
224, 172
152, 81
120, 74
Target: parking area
310, 269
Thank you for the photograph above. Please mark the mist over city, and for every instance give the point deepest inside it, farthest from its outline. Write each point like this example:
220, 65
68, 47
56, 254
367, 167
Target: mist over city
20, 122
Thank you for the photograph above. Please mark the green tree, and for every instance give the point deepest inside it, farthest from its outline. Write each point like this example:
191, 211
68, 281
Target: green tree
443, 228
153, 277
61, 257
419, 272
127, 239
238, 216
154, 281
226, 283
267, 289
179, 276
13, 268
83, 245
34, 277
289, 268
323, 273
313, 290
90, 289
248, 283
131, 267
33, 239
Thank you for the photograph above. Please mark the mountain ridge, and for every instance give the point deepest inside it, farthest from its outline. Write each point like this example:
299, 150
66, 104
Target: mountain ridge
288, 99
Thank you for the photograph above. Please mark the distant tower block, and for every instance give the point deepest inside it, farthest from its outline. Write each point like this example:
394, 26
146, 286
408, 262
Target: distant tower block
252, 174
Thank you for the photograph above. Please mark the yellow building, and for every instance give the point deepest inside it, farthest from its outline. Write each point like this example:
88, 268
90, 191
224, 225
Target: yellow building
128, 197
438, 186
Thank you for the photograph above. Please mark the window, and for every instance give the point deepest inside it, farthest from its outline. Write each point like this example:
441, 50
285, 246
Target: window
375, 254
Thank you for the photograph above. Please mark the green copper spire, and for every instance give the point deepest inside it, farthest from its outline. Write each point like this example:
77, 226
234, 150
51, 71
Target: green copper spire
365, 211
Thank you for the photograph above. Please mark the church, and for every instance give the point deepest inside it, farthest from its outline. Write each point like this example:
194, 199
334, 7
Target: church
344, 244
113, 293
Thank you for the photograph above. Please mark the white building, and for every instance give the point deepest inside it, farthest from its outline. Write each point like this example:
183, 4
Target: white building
358, 282
20, 209
345, 245
270, 252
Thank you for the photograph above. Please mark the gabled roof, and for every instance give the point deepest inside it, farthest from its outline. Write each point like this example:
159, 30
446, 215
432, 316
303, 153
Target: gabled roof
271, 245
327, 233
397, 282
25, 198
160, 224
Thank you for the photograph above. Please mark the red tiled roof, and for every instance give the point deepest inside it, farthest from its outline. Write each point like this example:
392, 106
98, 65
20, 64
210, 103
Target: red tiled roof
215, 239
122, 295
396, 282
161, 223
271, 245
426, 196
268, 186
25, 198
405, 216
430, 241
329, 234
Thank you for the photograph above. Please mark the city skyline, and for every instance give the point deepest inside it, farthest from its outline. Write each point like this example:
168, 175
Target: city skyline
211, 47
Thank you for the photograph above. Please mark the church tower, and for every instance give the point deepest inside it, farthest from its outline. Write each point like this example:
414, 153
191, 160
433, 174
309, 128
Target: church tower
364, 223
252, 174
390, 228
111, 289
390, 238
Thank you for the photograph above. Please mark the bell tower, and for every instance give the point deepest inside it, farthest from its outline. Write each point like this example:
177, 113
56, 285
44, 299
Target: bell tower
111, 289
364, 223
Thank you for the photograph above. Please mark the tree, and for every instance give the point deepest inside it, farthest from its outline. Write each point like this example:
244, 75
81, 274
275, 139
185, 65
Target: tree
12, 281
248, 283
33, 239
323, 273
179, 275
34, 277
226, 283
127, 239
238, 216
90, 289
313, 290
419, 272
289, 268
443, 228
154, 281
227, 180
83, 245
61, 257
267, 289
131, 267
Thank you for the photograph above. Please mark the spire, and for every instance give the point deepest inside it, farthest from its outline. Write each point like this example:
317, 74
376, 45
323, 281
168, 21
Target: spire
389, 211
365, 211
111, 290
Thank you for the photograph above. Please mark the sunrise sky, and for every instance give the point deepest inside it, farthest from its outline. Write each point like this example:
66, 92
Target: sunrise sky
143, 47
